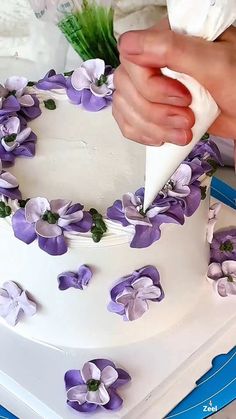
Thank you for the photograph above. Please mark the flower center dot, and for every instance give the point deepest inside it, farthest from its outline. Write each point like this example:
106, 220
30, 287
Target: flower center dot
50, 217
93, 385
227, 246
102, 80
10, 138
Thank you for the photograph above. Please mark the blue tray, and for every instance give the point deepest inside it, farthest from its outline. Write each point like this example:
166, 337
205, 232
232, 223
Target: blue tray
5, 414
223, 192
215, 390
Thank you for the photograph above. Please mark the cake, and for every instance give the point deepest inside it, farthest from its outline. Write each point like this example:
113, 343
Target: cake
82, 265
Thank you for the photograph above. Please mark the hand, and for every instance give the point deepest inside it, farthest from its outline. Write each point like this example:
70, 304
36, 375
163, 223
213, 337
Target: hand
151, 108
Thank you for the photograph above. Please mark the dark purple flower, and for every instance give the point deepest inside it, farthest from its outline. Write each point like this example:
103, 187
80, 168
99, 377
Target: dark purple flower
14, 302
16, 140
48, 221
9, 186
205, 149
223, 246
79, 279
95, 386
223, 276
51, 80
146, 225
130, 296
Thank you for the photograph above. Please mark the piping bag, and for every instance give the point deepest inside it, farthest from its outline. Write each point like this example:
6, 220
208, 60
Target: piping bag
203, 18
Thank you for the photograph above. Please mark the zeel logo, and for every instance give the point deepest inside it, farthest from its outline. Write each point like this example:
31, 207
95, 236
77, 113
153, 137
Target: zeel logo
210, 408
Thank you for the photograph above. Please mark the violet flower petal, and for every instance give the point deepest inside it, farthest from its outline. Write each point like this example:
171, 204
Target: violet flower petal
54, 246
73, 378
23, 230
26, 100
99, 397
109, 375
90, 371
145, 235
17, 83
35, 208
44, 229
115, 401
85, 407
80, 79
77, 393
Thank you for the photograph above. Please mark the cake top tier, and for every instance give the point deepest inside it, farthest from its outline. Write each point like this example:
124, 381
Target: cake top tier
80, 156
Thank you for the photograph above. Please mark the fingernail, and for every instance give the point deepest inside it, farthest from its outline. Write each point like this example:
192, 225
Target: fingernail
178, 121
178, 136
130, 43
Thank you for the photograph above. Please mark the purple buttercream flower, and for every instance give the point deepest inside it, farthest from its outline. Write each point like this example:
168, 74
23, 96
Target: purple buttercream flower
16, 87
95, 386
16, 140
130, 296
51, 81
91, 85
223, 276
146, 225
213, 214
49, 221
9, 186
223, 246
79, 279
185, 187
205, 149
14, 302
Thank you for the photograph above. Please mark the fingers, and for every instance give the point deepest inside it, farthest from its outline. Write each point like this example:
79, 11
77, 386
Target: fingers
153, 86
160, 112
151, 48
143, 127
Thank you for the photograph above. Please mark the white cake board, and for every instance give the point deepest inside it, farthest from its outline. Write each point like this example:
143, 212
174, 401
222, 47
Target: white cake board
164, 369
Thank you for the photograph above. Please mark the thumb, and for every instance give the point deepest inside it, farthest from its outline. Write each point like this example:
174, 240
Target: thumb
182, 53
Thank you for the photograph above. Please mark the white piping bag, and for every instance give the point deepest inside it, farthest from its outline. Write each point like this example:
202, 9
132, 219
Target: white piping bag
203, 18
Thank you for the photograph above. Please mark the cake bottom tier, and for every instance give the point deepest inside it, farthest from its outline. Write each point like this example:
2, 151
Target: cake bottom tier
80, 319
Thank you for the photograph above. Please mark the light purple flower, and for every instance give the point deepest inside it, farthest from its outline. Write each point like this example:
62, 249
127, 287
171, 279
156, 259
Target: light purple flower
91, 85
14, 302
9, 186
129, 211
91, 75
224, 277
15, 140
79, 279
16, 86
51, 80
213, 214
48, 221
178, 185
130, 296
223, 246
95, 386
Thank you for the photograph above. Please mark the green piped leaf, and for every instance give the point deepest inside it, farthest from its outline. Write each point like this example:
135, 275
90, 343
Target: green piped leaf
50, 104
99, 226
5, 210
214, 166
203, 192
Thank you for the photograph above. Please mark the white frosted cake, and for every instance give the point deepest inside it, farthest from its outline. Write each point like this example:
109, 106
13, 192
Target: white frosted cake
107, 274
82, 157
